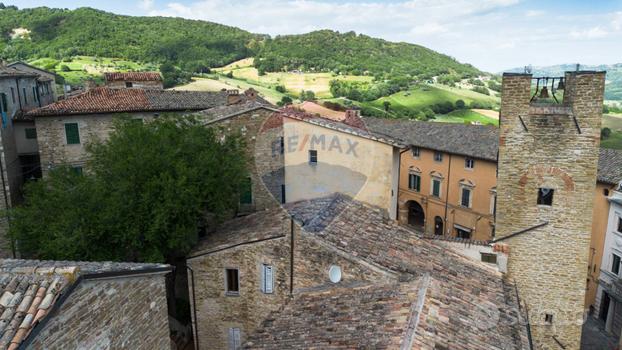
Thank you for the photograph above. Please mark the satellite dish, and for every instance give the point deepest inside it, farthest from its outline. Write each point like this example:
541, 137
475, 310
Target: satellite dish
334, 273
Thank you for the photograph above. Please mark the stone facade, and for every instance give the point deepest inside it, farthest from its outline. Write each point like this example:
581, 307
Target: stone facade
112, 313
544, 147
134, 84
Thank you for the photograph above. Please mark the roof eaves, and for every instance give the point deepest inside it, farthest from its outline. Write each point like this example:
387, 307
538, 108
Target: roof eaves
217, 250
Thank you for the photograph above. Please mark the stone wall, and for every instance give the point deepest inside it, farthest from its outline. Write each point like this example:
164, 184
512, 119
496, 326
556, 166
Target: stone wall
115, 313
541, 147
153, 85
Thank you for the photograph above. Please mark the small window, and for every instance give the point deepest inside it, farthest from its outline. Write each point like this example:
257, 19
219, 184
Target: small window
615, 264
619, 224
490, 258
416, 151
283, 198
25, 97
72, 133
545, 196
460, 233
312, 157
34, 93
232, 283
246, 192
282, 144
548, 318
77, 170
606, 192
13, 95
438, 156
267, 279
235, 341
31, 133
469, 163
414, 182
5, 103
465, 201
436, 188
128, 84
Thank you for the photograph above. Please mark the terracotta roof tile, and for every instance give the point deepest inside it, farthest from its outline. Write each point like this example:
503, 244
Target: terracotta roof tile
132, 76
105, 100
30, 288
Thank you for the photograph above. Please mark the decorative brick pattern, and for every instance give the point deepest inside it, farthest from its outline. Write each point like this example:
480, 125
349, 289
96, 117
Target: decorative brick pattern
549, 264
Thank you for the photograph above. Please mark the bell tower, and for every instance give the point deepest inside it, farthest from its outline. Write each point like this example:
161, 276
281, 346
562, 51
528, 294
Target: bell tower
548, 156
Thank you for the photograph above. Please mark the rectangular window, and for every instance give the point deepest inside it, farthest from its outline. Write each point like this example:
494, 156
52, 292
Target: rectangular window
548, 318
282, 145
460, 233
465, 201
438, 156
490, 258
283, 199
436, 188
246, 192
619, 224
13, 95
469, 163
232, 282
267, 279
615, 264
414, 182
416, 152
235, 341
5, 103
25, 97
72, 133
545, 196
312, 157
31, 133
34, 93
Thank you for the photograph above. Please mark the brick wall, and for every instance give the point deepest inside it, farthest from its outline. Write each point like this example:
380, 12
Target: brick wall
116, 313
549, 264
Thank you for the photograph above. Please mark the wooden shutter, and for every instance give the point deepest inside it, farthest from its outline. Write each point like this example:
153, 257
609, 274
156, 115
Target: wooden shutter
73, 134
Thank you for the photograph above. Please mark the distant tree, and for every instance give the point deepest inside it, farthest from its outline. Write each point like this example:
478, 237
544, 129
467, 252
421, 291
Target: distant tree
141, 199
307, 95
229, 74
605, 133
460, 104
280, 88
481, 90
605, 109
2, 6
386, 105
65, 68
285, 100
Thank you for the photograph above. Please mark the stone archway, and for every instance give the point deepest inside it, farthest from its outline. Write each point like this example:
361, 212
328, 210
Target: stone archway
416, 215
438, 226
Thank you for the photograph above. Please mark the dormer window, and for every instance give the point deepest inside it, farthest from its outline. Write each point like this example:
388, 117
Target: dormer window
129, 84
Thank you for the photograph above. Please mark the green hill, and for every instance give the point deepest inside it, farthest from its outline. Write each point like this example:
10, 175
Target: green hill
349, 53
193, 46
60, 33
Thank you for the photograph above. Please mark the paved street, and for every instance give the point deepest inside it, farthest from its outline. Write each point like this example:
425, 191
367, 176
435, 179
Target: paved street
595, 338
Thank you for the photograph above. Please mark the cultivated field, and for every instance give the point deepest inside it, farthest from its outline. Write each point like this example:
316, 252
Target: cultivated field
466, 115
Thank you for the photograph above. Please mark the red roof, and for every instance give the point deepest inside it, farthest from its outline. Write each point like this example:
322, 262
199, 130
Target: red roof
106, 100
133, 76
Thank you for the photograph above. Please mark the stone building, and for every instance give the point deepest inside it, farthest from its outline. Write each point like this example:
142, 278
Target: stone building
324, 155
333, 273
83, 305
65, 128
548, 159
46, 82
133, 80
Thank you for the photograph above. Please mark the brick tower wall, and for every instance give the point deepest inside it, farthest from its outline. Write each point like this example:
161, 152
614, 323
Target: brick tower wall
549, 263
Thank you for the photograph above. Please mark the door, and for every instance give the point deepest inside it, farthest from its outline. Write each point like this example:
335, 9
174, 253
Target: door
604, 307
438, 226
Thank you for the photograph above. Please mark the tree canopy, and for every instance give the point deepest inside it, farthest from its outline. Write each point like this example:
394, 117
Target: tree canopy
142, 198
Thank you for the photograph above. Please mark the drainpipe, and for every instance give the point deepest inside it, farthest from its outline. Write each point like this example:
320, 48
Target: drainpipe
193, 323
447, 190
291, 257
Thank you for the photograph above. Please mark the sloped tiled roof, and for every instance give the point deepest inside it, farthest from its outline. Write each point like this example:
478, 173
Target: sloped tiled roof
363, 316
466, 305
254, 227
132, 76
29, 290
105, 100
12, 72
218, 113
610, 166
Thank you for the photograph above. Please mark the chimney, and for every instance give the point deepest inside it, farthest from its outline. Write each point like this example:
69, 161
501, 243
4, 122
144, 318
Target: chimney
233, 97
353, 118
353, 114
251, 94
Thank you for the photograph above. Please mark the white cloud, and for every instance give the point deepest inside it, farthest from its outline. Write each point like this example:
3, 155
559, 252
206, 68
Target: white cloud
534, 13
591, 33
616, 22
146, 5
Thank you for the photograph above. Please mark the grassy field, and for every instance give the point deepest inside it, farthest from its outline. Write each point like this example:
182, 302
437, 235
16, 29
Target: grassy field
82, 68
613, 122
466, 115
217, 83
426, 95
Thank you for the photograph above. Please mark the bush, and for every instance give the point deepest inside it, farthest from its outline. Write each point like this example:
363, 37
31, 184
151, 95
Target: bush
229, 74
285, 100
605, 133
65, 68
481, 90
460, 104
280, 88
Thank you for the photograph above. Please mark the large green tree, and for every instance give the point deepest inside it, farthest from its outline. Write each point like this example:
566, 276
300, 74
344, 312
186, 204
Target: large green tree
142, 198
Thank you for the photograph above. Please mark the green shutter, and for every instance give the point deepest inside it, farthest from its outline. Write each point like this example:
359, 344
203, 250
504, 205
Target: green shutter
246, 192
73, 134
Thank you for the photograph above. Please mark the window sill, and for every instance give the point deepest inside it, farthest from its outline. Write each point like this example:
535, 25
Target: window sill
232, 294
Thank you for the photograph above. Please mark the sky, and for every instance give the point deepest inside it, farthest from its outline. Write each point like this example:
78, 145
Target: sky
493, 35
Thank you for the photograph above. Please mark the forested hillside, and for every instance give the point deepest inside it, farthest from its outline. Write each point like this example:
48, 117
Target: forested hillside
28, 34
349, 53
